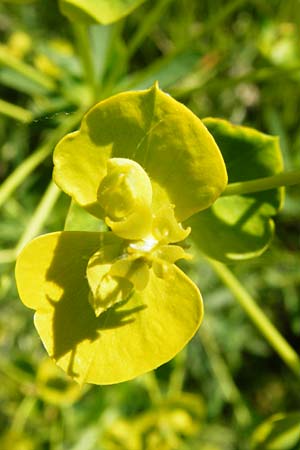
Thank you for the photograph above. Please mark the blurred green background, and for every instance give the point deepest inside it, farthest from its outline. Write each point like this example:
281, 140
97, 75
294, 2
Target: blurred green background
239, 60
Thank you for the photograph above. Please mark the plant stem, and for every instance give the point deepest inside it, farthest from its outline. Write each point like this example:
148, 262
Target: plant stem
260, 320
40, 215
7, 256
24, 69
178, 374
151, 384
23, 413
14, 374
27, 166
84, 48
16, 112
120, 64
263, 184
223, 375
22, 172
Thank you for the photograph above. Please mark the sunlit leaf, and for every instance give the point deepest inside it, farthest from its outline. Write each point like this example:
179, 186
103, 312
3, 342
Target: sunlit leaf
167, 70
240, 226
132, 337
98, 11
170, 143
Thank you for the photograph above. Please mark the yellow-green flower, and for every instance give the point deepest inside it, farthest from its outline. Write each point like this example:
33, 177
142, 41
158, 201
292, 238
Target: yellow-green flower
113, 305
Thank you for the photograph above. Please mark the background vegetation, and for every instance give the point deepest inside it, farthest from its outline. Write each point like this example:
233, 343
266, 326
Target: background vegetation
235, 59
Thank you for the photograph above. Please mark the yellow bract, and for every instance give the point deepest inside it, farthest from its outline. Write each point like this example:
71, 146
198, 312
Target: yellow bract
113, 305
165, 138
130, 338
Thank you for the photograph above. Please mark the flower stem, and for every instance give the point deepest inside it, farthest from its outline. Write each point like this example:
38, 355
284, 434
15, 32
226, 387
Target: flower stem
178, 374
83, 41
40, 215
151, 384
24, 411
16, 112
35, 224
20, 174
263, 184
260, 320
7, 256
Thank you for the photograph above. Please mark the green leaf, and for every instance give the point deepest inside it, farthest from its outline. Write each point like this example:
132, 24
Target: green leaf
98, 11
131, 338
167, 70
279, 432
177, 152
240, 226
79, 219
15, 80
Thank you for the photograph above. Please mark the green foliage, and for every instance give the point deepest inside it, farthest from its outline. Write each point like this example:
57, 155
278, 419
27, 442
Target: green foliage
234, 60
239, 226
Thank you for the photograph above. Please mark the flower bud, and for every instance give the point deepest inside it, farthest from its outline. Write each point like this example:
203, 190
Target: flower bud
125, 194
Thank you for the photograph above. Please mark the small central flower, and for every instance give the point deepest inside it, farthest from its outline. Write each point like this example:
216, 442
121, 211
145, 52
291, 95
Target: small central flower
141, 240
125, 194
145, 245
